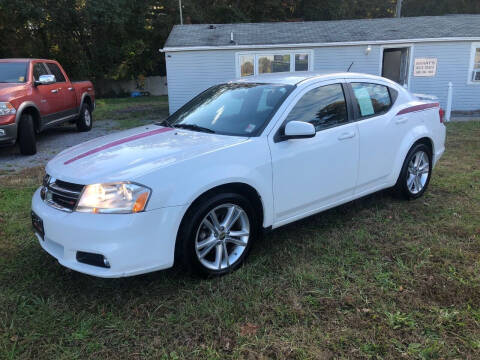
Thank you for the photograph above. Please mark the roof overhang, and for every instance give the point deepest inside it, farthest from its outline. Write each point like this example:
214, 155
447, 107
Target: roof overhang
307, 45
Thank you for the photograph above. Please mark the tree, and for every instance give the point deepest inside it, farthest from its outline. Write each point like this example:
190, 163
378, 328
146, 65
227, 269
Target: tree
112, 39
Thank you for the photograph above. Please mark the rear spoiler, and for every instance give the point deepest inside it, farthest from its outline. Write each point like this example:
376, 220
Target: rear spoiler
426, 97
433, 103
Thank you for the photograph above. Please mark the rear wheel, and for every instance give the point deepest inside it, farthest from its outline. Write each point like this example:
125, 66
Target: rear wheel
26, 135
416, 172
217, 234
85, 120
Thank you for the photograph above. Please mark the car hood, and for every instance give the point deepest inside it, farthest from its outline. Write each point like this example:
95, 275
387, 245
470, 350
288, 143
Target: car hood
9, 91
130, 154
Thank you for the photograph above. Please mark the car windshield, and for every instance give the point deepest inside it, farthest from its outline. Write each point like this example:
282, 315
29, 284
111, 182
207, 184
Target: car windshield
231, 109
13, 72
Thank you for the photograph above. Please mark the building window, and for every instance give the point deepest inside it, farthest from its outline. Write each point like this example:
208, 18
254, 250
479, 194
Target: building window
246, 65
474, 70
476, 65
253, 63
301, 62
273, 63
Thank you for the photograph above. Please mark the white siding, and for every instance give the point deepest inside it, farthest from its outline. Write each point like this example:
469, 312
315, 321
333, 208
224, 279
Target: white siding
333, 59
453, 61
190, 72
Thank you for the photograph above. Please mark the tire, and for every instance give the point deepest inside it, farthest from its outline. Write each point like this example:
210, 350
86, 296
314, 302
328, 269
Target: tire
26, 135
85, 120
416, 172
201, 245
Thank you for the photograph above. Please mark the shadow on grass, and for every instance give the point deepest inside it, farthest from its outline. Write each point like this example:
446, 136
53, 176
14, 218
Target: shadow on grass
38, 274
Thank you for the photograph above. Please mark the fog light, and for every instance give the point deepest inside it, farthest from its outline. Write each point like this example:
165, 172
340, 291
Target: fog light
93, 259
2, 132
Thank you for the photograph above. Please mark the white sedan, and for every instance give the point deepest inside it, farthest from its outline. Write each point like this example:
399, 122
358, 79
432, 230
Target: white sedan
253, 154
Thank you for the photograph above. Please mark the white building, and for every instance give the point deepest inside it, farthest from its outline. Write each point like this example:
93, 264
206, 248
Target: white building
422, 53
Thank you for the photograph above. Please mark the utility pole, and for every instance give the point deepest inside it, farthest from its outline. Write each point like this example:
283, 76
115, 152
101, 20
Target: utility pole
399, 9
180, 7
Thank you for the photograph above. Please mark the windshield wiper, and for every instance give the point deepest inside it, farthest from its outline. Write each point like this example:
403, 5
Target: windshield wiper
194, 128
164, 123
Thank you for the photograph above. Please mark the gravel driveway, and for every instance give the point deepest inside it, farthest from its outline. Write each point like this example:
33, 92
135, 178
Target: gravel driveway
51, 142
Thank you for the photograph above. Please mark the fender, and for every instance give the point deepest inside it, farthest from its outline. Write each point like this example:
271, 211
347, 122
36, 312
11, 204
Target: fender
415, 134
214, 177
22, 107
251, 165
84, 96
267, 205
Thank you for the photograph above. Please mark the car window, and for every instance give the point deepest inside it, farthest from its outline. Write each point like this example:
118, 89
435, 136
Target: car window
372, 99
13, 72
241, 109
323, 107
393, 94
38, 70
55, 70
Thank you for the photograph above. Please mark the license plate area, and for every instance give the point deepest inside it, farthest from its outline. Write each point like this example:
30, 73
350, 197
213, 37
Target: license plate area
37, 224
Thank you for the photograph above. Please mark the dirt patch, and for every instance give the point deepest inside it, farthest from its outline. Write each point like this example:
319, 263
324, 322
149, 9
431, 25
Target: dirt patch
50, 143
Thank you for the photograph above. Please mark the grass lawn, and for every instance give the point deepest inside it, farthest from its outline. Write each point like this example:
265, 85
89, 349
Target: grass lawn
375, 278
131, 112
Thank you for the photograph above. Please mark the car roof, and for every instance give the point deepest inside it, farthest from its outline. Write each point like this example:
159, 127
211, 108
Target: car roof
294, 78
22, 60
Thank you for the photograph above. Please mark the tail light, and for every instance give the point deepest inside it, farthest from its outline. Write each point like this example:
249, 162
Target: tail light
442, 115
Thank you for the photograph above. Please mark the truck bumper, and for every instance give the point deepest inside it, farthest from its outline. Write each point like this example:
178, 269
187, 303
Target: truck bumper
8, 134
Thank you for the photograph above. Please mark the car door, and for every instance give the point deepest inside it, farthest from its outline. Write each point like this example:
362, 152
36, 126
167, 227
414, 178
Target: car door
65, 90
380, 133
314, 173
46, 96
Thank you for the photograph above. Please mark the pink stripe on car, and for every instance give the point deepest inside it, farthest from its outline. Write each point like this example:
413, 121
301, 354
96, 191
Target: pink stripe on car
418, 108
118, 142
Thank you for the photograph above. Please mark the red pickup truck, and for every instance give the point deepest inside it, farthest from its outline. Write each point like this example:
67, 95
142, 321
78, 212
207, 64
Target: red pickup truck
36, 94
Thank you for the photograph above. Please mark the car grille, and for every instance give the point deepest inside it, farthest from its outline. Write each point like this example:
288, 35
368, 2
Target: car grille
61, 194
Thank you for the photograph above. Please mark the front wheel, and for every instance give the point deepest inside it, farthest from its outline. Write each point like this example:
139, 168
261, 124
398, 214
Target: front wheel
26, 135
416, 172
84, 121
217, 234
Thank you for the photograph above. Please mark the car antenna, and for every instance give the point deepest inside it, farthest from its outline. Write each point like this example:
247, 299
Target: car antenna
348, 70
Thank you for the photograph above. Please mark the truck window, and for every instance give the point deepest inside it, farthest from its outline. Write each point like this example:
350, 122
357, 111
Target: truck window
55, 70
13, 72
38, 70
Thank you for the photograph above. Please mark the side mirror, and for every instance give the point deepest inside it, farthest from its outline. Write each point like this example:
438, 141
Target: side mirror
45, 80
299, 130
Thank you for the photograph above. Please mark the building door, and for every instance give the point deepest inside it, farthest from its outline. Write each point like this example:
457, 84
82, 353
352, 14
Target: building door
395, 64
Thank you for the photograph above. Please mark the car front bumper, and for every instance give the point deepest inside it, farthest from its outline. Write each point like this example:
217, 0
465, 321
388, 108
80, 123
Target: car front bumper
132, 243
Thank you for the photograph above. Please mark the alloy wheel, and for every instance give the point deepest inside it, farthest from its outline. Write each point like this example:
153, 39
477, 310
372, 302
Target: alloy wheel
222, 237
418, 171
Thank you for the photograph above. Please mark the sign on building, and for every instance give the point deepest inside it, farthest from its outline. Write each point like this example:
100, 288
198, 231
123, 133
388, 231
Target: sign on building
425, 67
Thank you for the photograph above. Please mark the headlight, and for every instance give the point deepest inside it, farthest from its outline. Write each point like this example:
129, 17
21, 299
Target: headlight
7, 109
113, 198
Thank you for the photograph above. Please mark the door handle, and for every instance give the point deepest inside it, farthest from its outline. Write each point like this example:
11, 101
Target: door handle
54, 91
346, 135
401, 120
70, 89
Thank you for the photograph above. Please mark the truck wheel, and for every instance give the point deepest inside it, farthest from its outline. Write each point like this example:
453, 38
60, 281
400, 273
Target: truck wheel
26, 135
84, 121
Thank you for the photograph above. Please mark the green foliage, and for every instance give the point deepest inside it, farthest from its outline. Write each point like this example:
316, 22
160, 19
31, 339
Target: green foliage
112, 39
